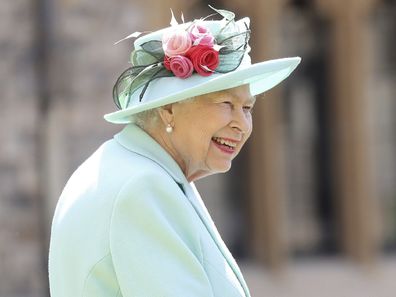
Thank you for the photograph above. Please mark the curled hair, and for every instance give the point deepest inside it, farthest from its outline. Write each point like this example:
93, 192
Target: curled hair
145, 119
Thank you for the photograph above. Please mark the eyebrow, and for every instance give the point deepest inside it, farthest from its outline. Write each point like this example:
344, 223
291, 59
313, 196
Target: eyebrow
250, 99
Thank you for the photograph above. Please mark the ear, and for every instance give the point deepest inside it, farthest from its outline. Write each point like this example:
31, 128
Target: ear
166, 113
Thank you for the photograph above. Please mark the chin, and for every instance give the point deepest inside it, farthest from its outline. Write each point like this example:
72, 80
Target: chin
222, 168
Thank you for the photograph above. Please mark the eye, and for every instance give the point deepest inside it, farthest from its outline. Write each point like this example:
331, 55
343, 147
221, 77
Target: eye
228, 103
248, 108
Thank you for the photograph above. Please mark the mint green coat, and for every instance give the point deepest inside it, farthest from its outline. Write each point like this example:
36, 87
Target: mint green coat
129, 224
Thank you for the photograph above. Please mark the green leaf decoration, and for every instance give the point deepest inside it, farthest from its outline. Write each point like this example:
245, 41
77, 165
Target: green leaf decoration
230, 29
122, 82
140, 57
138, 81
154, 47
134, 78
144, 78
228, 15
229, 60
234, 40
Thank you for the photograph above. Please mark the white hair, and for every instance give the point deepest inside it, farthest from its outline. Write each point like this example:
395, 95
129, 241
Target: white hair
149, 118
145, 119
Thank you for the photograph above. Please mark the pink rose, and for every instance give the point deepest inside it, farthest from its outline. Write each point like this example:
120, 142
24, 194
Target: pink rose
181, 66
201, 36
204, 58
167, 62
176, 42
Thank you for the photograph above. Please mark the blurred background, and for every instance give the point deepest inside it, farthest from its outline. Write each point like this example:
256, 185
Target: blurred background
309, 207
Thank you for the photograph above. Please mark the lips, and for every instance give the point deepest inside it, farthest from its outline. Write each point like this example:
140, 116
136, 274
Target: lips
225, 141
225, 144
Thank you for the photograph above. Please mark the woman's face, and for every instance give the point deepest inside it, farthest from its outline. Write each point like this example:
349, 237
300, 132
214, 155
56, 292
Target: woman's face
209, 132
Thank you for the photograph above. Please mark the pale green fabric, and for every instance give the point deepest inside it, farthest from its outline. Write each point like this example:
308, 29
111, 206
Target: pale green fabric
129, 224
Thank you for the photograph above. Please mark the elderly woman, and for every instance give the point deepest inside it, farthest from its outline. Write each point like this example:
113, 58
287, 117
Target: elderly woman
130, 221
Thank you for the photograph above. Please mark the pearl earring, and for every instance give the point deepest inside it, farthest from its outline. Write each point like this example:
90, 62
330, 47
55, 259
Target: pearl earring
169, 128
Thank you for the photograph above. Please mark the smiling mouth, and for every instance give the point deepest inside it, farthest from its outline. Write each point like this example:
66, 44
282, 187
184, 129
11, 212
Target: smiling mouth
225, 145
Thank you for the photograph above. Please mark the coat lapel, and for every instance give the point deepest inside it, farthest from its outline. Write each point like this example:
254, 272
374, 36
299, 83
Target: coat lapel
199, 206
135, 139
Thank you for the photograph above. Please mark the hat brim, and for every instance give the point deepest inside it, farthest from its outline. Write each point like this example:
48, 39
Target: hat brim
260, 76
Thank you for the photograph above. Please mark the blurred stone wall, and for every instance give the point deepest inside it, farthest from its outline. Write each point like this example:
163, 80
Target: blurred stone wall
21, 264
382, 88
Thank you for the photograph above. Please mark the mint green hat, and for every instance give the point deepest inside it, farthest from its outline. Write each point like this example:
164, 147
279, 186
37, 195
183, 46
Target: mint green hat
191, 59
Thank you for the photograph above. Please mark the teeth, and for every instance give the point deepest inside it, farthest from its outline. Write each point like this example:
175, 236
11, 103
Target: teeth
226, 142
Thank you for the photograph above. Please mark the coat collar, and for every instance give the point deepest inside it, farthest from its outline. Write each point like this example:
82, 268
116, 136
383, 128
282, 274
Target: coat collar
135, 139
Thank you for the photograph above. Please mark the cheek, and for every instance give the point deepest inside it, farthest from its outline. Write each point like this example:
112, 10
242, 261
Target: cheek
194, 141
198, 128
203, 141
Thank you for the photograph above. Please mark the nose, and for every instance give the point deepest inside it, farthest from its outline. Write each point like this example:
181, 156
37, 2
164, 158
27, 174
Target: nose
241, 121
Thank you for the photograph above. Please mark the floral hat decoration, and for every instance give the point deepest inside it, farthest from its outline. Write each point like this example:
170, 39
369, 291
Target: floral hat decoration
191, 59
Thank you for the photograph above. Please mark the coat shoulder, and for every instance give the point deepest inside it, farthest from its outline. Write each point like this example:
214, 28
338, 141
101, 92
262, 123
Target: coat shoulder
111, 165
